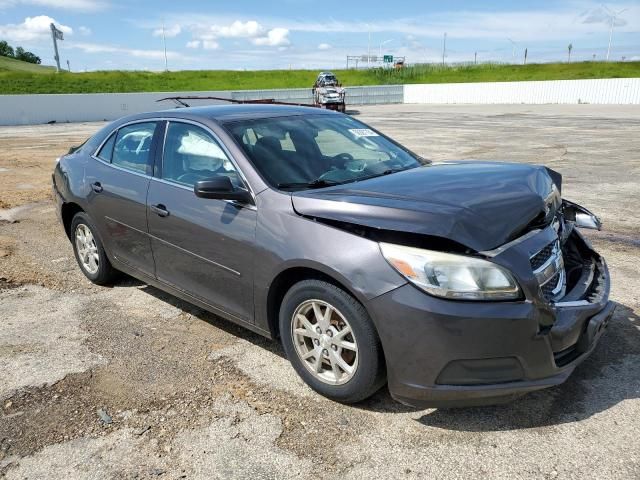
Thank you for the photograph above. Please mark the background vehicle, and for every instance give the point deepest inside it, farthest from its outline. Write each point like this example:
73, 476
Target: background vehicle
460, 283
328, 92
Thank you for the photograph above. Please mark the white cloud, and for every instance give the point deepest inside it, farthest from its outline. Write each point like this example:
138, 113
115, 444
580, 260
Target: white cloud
77, 5
210, 45
84, 30
169, 32
238, 29
33, 29
275, 37
208, 35
324, 46
521, 25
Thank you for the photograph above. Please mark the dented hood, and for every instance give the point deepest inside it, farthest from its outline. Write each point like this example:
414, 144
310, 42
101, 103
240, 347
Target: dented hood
480, 205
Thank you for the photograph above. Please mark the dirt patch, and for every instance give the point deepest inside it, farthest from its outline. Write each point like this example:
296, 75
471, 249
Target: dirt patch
28, 158
7, 284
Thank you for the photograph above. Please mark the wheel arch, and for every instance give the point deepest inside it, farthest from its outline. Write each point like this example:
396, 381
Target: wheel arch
68, 211
289, 277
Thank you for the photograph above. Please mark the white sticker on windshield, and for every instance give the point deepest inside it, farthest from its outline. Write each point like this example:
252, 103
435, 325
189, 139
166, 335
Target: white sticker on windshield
363, 132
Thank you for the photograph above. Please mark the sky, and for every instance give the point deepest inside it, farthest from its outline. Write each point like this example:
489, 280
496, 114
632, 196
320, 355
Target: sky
272, 34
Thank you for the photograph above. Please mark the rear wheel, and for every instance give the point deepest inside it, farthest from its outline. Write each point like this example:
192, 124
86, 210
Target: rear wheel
331, 341
89, 252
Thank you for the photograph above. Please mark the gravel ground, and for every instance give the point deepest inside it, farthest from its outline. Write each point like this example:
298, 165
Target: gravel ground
128, 382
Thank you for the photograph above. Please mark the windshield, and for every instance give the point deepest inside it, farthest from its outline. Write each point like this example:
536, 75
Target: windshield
314, 151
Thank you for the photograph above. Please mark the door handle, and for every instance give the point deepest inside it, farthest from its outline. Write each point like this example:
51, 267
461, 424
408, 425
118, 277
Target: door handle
96, 187
160, 210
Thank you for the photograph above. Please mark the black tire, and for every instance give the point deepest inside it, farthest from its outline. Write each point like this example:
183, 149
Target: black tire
105, 273
370, 373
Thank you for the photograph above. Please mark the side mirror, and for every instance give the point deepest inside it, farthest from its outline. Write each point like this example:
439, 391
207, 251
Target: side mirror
220, 188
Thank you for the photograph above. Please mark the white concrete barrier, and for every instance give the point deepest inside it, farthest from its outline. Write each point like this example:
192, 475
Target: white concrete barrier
615, 91
35, 109
43, 108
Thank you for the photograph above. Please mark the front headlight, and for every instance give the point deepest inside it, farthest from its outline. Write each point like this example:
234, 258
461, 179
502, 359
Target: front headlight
452, 276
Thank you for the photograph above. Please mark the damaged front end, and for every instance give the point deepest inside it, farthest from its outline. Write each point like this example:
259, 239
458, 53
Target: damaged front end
568, 263
486, 349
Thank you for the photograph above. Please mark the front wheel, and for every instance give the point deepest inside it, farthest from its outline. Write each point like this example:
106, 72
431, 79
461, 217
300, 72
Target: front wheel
331, 341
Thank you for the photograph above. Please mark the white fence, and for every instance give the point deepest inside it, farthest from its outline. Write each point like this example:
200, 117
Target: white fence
617, 91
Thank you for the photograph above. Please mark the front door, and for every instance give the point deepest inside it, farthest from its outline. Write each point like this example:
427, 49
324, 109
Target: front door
119, 177
204, 247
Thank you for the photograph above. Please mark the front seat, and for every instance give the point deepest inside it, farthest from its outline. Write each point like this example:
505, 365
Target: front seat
273, 163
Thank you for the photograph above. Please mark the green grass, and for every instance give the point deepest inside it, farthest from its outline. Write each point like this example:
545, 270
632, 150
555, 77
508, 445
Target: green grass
16, 82
12, 65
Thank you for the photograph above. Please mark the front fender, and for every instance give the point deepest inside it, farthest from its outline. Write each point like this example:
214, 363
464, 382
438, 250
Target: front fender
289, 240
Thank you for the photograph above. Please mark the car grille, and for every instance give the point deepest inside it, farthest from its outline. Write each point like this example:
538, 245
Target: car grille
549, 287
548, 267
542, 256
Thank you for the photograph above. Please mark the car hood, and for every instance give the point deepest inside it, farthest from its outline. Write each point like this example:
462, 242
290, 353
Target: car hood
480, 205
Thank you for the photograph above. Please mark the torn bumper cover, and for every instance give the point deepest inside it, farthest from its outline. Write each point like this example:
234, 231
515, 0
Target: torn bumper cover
450, 353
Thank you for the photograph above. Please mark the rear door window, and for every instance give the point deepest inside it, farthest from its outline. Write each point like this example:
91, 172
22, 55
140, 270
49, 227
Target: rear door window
133, 146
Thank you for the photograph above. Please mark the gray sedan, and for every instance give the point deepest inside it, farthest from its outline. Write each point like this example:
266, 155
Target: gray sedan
458, 283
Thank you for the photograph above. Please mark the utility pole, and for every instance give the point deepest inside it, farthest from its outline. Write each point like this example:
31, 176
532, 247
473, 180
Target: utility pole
526, 51
68, 66
513, 50
444, 47
369, 49
613, 21
164, 43
55, 36
475, 58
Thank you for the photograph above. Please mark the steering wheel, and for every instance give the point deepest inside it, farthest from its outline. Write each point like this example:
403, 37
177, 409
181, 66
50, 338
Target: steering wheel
343, 158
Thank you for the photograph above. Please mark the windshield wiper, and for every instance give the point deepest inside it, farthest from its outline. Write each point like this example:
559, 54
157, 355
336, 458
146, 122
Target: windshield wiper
321, 183
317, 183
389, 171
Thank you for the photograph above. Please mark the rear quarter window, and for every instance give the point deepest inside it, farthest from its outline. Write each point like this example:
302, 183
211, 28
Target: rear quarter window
106, 151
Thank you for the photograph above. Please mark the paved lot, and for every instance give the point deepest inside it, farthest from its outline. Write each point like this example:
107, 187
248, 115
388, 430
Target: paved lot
127, 382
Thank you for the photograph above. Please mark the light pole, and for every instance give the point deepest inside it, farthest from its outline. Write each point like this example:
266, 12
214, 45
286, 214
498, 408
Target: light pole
613, 21
164, 43
369, 48
513, 50
444, 47
384, 43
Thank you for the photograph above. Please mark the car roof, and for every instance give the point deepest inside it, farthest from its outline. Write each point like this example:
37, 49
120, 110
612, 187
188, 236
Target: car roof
234, 112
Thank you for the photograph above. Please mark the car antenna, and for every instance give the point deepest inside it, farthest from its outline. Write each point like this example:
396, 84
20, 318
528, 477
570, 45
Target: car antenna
269, 101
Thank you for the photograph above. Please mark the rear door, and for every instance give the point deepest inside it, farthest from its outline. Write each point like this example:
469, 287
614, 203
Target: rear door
119, 175
204, 247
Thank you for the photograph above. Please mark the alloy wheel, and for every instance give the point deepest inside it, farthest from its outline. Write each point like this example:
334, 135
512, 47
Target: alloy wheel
87, 249
325, 342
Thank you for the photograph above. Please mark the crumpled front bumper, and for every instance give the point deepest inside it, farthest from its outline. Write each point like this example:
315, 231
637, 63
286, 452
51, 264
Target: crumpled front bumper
443, 353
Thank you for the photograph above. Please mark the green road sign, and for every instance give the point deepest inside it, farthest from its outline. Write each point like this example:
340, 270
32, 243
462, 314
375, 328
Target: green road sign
388, 59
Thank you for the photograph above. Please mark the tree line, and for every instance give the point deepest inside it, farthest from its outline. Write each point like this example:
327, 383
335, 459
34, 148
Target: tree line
19, 53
